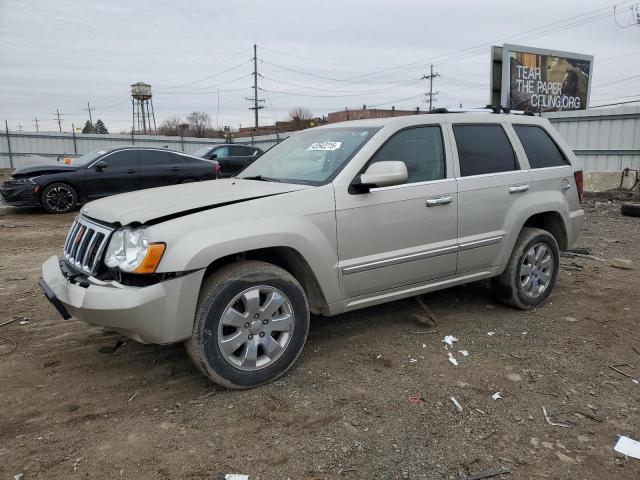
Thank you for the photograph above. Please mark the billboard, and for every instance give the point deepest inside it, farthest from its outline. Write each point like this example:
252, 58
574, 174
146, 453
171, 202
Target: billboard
538, 80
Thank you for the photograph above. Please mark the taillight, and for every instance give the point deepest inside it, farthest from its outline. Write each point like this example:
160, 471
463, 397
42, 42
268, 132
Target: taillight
217, 169
577, 176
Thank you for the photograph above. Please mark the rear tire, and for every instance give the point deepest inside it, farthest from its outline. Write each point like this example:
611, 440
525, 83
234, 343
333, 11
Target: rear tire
250, 325
58, 198
630, 209
532, 271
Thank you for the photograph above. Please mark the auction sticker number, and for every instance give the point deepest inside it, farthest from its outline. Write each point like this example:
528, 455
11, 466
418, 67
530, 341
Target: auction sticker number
324, 146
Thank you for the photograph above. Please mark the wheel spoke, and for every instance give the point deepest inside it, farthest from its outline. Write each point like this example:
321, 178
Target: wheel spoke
251, 300
546, 262
527, 285
525, 270
234, 318
282, 323
250, 355
232, 343
271, 305
540, 253
271, 347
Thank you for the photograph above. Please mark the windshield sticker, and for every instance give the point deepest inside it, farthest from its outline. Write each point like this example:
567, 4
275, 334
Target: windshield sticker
324, 146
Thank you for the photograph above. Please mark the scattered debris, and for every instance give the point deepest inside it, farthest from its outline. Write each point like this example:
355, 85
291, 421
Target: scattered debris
415, 399
413, 360
615, 367
452, 359
491, 334
424, 345
449, 339
465, 353
628, 447
581, 255
456, 404
236, 476
553, 424
10, 321
132, 397
18, 476
280, 383
429, 318
635, 381
24, 322
496, 396
486, 474
621, 263
580, 250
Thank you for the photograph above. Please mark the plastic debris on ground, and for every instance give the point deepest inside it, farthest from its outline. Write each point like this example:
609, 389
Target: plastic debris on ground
448, 340
627, 446
491, 334
415, 399
496, 396
456, 404
453, 360
465, 353
236, 476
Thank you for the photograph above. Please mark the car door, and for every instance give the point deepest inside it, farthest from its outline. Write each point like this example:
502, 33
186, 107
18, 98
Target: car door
222, 156
159, 168
120, 174
491, 182
406, 234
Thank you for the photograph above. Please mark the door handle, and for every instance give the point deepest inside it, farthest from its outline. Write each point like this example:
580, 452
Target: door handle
132, 170
436, 202
175, 169
518, 188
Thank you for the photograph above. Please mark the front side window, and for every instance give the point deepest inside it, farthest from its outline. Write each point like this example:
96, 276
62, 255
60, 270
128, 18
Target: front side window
483, 149
221, 152
541, 150
123, 158
310, 157
422, 151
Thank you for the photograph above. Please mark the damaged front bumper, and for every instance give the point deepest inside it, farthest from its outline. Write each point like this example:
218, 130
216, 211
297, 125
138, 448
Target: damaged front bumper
159, 313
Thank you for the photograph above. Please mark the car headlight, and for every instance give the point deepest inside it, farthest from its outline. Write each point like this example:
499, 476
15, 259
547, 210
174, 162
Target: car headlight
23, 180
130, 251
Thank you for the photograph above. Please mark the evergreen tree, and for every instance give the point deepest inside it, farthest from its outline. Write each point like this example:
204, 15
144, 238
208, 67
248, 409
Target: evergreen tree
88, 128
100, 128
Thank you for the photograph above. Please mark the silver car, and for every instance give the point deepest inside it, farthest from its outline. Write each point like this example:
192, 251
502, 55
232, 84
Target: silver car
332, 219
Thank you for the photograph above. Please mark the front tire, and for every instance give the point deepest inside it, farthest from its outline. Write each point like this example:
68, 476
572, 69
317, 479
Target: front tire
250, 325
59, 198
532, 271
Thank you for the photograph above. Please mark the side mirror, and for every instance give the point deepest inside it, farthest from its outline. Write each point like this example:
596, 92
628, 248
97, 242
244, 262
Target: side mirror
213, 156
101, 165
382, 174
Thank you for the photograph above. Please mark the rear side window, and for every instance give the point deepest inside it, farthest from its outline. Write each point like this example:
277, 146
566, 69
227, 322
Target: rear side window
238, 151
155, 157
540, 148
483, 149
420, 149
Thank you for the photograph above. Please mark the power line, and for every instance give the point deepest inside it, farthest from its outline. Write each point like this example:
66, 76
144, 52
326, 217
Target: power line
207, 77
617, 81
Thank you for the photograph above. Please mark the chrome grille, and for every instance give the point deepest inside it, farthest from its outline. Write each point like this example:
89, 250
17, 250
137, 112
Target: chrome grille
85, 245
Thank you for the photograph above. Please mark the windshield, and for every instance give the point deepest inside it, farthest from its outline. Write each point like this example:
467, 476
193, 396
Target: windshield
87, 158
201, 152
311, 157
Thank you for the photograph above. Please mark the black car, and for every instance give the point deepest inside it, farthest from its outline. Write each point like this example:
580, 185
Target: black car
232, 158
58, 188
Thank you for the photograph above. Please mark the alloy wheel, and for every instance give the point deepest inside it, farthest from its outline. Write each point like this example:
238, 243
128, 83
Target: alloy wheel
59, 199
536, 270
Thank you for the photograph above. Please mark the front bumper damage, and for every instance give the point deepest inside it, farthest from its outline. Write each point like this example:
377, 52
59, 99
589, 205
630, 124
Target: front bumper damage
20, 195
160, 313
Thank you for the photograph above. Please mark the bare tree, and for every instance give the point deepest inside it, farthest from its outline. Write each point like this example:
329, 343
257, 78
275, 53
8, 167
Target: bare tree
301, 117
171, 126
199, 122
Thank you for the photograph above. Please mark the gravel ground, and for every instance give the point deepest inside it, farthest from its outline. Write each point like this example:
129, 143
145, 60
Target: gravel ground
370, 397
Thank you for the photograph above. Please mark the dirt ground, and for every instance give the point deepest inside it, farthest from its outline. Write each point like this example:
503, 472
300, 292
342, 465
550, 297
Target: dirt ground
370, 397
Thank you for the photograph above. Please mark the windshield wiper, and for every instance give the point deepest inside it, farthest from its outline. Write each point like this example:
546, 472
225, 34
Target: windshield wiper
262, 178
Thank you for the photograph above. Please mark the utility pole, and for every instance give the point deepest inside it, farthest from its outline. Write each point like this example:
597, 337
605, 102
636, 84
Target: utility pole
88, 109
58, 114
431, 93
255, 99
20, 127
36, 121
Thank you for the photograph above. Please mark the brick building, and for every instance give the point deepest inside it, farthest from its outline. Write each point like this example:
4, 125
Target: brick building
366, 113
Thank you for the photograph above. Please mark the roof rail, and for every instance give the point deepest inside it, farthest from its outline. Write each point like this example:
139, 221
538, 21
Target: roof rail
487, 109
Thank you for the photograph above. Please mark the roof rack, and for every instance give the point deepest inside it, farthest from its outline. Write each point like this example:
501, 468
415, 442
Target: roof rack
487, 109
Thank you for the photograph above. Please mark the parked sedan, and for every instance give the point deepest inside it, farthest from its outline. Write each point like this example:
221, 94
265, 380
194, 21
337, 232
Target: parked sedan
59, 188
232, 158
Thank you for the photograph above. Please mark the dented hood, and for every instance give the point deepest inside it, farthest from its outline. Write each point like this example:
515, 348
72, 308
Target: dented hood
158, 204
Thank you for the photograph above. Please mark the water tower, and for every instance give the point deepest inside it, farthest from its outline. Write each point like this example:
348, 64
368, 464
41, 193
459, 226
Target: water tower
142, 104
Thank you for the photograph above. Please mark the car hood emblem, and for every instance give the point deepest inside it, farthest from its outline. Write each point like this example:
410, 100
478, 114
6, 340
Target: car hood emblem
84, 210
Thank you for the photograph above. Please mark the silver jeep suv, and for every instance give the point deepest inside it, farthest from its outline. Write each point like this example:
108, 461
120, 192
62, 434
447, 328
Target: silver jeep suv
332, 219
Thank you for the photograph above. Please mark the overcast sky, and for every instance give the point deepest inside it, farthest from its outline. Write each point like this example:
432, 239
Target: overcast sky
324, 55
